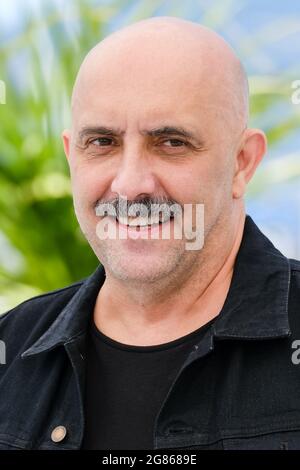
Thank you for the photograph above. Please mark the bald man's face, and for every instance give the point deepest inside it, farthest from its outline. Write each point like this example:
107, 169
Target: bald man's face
149, 126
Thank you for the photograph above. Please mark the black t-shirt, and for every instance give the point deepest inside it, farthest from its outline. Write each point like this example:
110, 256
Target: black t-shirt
126, 386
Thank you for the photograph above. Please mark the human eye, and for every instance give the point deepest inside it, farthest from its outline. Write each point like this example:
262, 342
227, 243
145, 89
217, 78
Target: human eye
101, 141
93, 146
175, 143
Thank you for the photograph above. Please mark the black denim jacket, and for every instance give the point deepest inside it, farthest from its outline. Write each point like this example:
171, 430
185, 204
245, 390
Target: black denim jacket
239, 388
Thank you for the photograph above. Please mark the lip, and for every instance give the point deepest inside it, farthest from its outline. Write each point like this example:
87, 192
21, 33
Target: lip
138, 232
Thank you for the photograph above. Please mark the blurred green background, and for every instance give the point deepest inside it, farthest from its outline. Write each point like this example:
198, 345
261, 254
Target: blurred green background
42, 44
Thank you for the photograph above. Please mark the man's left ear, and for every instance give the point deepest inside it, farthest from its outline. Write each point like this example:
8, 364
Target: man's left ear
251, 152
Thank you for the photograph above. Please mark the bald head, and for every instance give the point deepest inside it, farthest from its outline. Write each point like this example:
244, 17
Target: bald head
166, 50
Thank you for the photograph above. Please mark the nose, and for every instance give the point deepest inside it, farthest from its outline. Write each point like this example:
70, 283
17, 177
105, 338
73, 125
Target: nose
134, 178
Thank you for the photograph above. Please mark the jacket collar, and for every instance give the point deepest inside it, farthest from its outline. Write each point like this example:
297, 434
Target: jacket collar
256, 306
73, 320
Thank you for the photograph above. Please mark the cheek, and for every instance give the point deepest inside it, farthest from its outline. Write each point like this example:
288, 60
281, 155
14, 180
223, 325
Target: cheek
208, 183
87, 185
192, 184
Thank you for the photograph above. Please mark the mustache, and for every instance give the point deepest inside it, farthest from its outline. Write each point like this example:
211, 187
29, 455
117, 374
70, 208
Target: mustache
146, 206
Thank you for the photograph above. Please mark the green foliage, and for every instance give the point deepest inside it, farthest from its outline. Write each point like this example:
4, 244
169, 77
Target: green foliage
36, 213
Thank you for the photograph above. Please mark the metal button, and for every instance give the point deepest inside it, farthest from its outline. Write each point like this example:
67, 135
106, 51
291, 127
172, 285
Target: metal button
58, 434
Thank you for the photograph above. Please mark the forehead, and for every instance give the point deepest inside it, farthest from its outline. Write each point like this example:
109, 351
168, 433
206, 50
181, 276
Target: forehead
153, 79
148, 95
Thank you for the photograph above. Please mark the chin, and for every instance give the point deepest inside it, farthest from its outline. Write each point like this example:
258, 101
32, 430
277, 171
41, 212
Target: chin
131, 269
138, 273
139, 263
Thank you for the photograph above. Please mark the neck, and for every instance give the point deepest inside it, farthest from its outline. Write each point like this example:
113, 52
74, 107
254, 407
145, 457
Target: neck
146, 318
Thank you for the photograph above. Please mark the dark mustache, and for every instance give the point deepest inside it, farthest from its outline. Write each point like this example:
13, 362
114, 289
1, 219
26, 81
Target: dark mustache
154, 205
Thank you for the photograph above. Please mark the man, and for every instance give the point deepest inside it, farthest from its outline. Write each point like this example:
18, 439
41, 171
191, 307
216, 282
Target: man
163, 346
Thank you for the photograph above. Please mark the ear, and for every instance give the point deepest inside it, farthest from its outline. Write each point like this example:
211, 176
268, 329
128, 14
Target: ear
250, 154
66, 137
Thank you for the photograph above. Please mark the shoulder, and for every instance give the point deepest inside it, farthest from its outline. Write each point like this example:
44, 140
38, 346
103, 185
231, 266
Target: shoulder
33, 316
52, 299
295, 266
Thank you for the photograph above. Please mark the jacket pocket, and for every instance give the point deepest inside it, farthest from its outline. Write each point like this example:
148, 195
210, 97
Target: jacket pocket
283, 440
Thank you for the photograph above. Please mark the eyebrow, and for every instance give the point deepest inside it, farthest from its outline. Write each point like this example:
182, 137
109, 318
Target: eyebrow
93, 130
170, 130
157, 132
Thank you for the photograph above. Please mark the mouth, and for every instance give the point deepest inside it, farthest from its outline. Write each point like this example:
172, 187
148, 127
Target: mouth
141, 223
